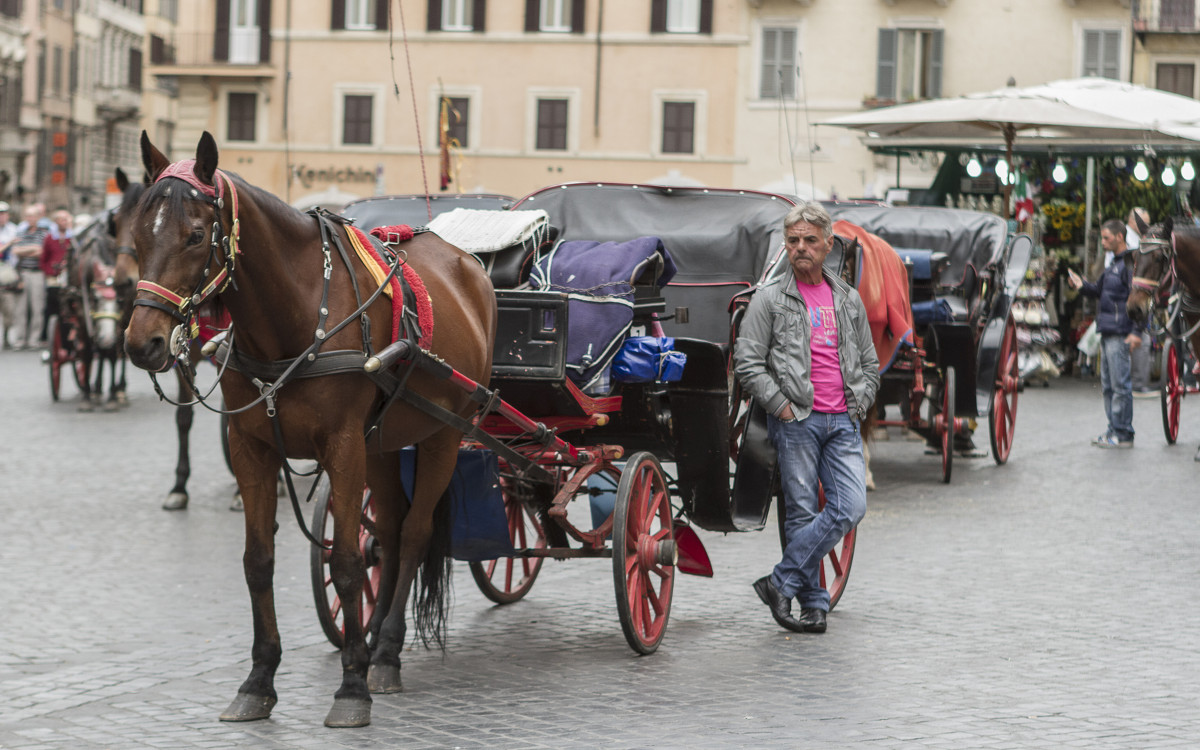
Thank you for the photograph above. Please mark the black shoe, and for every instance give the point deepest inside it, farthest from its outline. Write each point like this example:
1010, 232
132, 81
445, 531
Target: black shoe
812, 620
781, 608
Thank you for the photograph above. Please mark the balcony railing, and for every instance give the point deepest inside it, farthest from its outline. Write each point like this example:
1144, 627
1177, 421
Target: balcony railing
198, 50
1169, 16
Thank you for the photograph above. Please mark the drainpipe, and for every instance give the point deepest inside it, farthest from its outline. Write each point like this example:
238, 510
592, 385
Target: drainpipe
596, 102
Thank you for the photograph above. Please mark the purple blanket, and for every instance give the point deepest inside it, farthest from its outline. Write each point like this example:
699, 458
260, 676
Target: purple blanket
599, 279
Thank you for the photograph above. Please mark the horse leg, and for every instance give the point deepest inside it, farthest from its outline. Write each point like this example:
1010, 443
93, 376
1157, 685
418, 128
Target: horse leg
391, 505
177, 498
352, 701
122, 397
113, 402
436, 458
256, 466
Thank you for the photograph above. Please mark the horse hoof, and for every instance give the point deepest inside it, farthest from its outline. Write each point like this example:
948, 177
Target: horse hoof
349, 712
236, 503
246, 707
176, 501
383, 679
111, 405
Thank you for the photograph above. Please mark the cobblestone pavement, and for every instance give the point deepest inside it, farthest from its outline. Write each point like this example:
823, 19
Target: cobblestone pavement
1051, 602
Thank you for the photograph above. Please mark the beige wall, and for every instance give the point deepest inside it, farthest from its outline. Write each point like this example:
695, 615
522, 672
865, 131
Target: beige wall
742, 140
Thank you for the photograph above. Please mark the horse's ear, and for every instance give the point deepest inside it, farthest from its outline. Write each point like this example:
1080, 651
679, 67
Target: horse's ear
122, 179
153, 159
1168, 226
206, 159
1142, 228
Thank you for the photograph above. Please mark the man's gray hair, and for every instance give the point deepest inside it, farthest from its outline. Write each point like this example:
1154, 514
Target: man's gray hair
812, 212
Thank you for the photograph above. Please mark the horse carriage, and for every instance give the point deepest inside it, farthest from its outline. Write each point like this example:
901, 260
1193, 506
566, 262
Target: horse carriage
511, 394
91, 315
646, 458
962, 270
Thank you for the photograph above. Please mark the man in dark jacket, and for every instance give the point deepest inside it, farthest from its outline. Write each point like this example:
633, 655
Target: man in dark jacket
1118, 335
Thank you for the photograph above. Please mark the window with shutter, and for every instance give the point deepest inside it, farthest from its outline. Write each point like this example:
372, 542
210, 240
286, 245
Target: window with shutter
357, 113
1178, 78
778, 68
555, 15
1102, 53
909, 64
242, 116
683, 16
458, 15
679, 127
135, 69
552, 124
1178, 14
360, 15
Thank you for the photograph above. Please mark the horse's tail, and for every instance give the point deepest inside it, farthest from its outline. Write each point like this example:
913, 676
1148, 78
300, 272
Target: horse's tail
431, 589
870, 423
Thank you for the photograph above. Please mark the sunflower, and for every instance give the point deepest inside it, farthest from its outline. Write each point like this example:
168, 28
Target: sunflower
1065, 234
1048, 210
1056, 222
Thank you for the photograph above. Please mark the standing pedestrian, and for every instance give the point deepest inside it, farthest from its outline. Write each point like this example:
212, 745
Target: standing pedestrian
1118, 335
31, 300
56, 251
804, 351
10, 278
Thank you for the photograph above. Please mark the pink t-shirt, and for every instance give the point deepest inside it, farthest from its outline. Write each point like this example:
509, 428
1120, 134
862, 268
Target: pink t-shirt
829, 395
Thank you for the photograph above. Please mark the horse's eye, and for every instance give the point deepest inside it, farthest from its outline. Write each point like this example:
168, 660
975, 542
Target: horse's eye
196, 237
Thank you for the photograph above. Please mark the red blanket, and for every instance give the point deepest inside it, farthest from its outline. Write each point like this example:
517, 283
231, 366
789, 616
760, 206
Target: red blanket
883, 286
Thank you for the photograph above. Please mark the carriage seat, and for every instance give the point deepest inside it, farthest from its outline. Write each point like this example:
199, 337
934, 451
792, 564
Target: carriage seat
504, 242
924, 272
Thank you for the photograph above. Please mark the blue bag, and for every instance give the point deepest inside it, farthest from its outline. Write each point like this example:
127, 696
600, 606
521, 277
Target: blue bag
647, 359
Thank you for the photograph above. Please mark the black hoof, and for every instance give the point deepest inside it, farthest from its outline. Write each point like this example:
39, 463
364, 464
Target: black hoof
383, 679
246, 707
349, 712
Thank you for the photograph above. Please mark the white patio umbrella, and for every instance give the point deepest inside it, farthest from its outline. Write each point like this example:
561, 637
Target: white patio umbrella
1082, 112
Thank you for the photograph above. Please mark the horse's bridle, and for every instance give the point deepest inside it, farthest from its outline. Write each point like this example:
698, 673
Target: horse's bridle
223, 248
1150, 245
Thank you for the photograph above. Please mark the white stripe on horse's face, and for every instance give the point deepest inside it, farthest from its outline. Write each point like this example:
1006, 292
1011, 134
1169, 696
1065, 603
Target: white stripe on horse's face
158, 220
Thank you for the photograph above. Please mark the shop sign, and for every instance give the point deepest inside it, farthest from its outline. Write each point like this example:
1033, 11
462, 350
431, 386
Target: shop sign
308, 176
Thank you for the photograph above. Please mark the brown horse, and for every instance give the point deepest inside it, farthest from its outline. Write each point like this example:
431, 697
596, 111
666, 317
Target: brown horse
199, 231
1168, 262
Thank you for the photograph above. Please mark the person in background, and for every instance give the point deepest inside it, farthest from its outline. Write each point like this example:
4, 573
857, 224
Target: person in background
10, 278
31, 300
1139, 364
1118, 335
804, 351
56, 251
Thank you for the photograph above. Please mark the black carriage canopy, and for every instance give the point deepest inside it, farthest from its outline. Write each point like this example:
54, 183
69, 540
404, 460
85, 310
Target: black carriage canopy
969, 238
720, 240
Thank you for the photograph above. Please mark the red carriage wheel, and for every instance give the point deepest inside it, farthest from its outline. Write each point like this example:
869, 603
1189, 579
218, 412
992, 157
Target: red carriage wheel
1172, 393
508, 579
945, 424
1002, 415
835, 566
329, 604
644, 552
55, 356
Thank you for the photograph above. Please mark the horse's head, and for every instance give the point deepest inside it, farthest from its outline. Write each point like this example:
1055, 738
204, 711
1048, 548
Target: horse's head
120, 228
179, 230
1152, 265
106, 314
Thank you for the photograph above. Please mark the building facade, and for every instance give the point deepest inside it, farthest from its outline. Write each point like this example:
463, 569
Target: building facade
323, 102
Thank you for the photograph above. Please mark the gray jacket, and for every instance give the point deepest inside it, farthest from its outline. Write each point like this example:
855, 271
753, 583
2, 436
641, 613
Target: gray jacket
772, 356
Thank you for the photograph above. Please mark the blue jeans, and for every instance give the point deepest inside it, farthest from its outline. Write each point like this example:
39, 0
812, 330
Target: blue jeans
1116, 383
828, 448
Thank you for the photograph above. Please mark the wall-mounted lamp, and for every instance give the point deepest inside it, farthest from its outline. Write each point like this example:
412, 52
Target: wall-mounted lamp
1141, 172
974, 169
1187, 171
1059, 173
